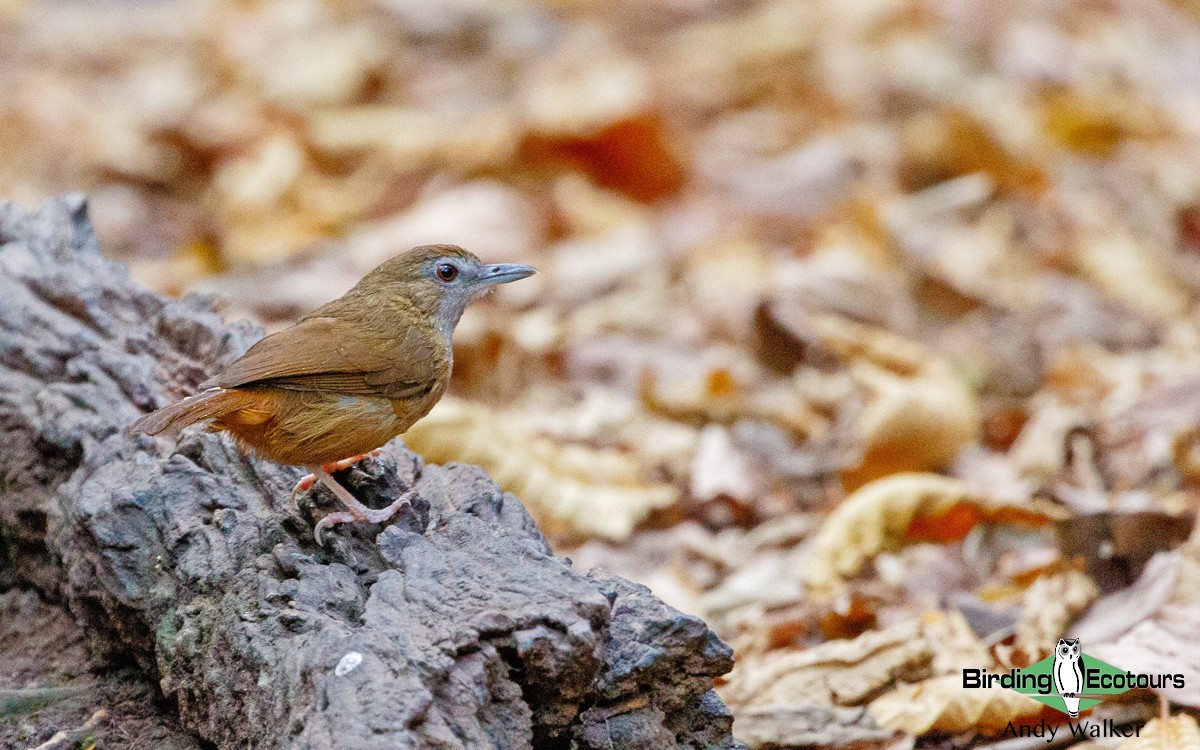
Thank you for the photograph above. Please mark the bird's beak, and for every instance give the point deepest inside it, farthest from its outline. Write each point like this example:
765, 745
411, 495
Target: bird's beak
502, 273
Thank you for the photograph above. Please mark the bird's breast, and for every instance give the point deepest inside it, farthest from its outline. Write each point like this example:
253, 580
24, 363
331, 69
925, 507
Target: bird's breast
408, 410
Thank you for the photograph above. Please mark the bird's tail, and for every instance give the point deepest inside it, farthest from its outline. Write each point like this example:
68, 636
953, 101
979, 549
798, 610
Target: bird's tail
210, 404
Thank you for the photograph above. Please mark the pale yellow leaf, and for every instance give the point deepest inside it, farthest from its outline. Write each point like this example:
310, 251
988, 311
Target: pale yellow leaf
571, 490
955, 644
918, 414
904, 509
940, 704
1134, 271
727, 387
1049, 606
1174, 733
845, 672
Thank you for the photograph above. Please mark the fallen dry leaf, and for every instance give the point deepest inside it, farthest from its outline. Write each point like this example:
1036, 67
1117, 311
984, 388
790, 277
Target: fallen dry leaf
405, 136
955, 645
952, 143
905, 509
1040, 449
1174, 733
720, 469
1153, 626
1129, 270
918, 413
1048, 606
1095, 124
572, 490
844, 673
811, 726
940, 704
729, 388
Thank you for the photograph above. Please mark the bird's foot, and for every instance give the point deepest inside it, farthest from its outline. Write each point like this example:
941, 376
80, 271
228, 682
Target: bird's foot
308, 480
355, 510
359, 513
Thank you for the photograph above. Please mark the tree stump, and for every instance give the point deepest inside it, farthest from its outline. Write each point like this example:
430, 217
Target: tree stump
453, 627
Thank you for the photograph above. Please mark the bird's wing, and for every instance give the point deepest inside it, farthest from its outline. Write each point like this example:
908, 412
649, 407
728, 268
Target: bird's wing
1079, 671
334, 355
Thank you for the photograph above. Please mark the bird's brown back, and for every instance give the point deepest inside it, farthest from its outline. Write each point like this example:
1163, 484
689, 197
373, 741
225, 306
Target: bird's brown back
349, 376
387, 350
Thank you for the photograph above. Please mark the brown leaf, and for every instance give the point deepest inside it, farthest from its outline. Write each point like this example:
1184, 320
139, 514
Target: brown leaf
891, 513
588, 108
949, 144
1095, 125
633, 156
849, 617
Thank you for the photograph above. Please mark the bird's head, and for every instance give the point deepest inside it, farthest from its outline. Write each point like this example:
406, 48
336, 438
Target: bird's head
441, 280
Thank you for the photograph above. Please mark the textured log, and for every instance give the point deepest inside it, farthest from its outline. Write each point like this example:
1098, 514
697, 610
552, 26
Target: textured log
453, 627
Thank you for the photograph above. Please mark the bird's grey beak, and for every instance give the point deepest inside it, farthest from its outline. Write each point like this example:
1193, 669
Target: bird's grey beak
502, 273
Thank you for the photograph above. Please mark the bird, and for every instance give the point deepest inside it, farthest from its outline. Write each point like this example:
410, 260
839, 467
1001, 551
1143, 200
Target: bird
346, 378
1068, 673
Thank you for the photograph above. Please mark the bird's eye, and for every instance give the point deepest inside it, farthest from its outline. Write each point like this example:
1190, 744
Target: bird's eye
447, 271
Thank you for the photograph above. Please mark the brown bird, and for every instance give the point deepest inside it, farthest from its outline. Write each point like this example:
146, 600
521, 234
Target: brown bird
349, 376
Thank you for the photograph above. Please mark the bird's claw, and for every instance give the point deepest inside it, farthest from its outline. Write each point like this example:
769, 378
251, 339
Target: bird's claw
304, 485
363, 514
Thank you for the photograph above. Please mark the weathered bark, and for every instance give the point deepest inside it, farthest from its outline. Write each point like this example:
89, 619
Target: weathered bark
453, 627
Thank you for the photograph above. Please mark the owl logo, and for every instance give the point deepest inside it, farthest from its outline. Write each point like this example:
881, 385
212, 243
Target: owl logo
1068, 673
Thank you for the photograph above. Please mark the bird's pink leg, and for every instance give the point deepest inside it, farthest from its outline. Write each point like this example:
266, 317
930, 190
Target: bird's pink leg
355, 511
308, 480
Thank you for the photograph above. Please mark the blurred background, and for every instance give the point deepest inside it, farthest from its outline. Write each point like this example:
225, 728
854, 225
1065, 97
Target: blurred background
844, 304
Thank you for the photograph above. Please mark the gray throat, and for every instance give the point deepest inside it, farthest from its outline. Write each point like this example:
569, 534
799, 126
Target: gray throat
447, 318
